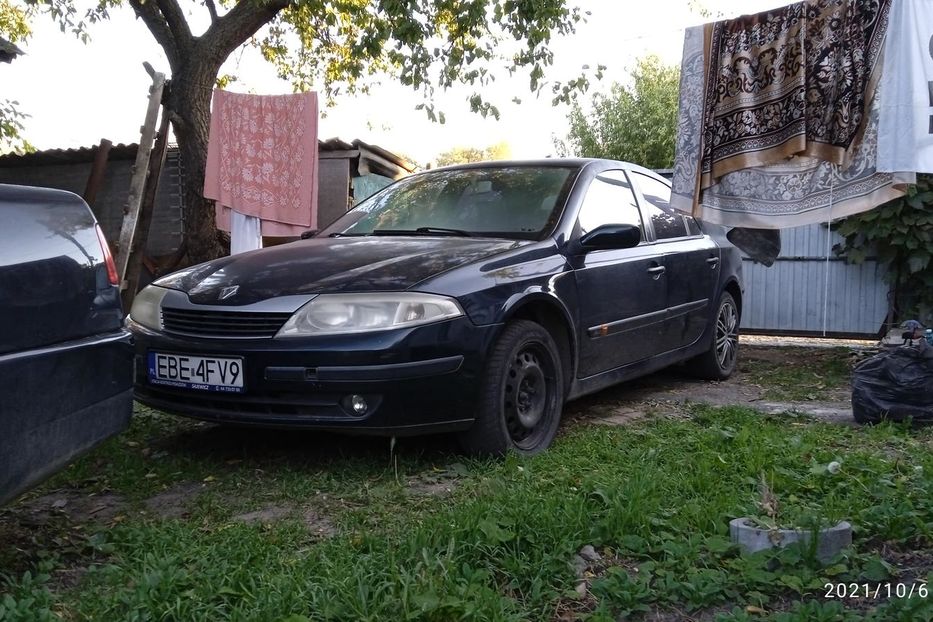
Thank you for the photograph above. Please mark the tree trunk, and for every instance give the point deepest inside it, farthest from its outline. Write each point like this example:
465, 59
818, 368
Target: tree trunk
190, 101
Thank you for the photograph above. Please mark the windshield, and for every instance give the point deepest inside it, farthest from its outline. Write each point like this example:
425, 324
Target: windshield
511, 201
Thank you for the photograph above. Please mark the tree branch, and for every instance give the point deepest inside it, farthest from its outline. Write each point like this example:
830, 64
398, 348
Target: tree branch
233, 29
175, 18
212, 9
157, 25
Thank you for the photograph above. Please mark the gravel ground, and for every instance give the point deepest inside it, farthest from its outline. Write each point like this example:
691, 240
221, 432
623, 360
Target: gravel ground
808, 342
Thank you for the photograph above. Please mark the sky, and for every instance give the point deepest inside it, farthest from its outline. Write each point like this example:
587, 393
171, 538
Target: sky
77, 94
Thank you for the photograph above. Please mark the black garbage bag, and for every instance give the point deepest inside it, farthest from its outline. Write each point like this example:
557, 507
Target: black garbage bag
894, 385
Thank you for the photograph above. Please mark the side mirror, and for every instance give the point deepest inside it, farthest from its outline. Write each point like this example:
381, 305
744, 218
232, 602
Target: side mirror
611, 237
310, 233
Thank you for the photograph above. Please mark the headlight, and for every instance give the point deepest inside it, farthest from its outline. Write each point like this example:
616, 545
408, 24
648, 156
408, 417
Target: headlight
147, 307
332, 314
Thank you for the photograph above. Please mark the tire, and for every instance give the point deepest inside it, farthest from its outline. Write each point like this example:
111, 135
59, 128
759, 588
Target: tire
522, 362
719, 361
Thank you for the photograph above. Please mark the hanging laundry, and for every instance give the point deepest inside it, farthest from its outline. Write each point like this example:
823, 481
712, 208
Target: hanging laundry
783, 192
760, 245
245, 233
262, 160
685, 182
792, 81
905, 133
804, 191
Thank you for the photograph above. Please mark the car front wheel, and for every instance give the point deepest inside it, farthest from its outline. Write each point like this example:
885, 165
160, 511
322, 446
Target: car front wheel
719, 361
522, 394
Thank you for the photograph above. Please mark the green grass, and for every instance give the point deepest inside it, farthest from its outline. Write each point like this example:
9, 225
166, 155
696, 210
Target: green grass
798, 374
655, 499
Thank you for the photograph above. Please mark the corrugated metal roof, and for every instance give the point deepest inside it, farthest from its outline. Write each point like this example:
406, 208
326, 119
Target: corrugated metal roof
388, 155
334, 144
8, 51
66, 156
128, 152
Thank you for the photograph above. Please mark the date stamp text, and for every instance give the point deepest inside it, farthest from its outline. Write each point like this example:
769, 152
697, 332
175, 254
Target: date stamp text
876, 590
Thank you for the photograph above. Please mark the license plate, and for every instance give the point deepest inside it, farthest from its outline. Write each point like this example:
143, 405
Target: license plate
202, 373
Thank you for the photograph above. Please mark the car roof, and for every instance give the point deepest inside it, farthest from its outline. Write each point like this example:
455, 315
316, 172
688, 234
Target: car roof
543, 162
600, 163
35, 194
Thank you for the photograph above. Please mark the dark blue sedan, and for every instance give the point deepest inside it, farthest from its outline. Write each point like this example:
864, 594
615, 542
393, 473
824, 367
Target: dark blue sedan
475, 299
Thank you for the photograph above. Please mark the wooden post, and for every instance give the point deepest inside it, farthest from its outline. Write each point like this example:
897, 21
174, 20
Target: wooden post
147, 208
98, 169
140, 171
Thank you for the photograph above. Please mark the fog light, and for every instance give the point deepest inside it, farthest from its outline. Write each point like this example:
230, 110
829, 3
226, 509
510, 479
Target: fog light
358, 404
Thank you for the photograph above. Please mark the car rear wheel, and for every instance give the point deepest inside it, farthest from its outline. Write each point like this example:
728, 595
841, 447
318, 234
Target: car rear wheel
719, 361
522, 394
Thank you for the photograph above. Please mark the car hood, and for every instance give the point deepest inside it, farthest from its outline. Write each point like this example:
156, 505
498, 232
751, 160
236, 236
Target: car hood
326, 265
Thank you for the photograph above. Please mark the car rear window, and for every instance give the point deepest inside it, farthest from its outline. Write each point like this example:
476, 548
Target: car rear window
507, 201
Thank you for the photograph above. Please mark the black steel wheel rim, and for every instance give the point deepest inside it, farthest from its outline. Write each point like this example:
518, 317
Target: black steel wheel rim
529, 395
727, 335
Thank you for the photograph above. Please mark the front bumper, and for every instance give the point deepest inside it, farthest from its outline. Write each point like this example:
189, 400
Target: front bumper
416, 380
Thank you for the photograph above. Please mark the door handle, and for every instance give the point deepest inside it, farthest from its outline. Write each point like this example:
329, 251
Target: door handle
713, 262
656, 272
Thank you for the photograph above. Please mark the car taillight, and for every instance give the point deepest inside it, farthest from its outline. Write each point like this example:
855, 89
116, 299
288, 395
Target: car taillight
108, 258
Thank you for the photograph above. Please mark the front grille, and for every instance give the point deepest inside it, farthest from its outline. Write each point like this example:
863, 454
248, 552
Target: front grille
223, 324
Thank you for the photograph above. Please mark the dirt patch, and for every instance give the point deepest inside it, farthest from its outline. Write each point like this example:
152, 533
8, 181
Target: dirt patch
914, 565
74, 505
64, 521
429, 486
317, 522
175, 502
265, 516
672, 391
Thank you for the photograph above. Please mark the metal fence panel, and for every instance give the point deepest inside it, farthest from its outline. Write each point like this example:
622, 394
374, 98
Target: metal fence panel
803, 293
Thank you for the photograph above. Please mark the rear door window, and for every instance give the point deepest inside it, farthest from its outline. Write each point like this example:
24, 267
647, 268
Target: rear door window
668, 222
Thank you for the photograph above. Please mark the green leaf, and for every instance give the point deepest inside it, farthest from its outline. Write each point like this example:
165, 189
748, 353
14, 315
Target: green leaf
718, 544
494, 533
918, 261
793, 582
838, 569
426, 602
876, 569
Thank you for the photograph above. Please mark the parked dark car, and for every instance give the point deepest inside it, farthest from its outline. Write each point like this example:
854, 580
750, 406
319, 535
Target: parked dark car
475, 299
66, 380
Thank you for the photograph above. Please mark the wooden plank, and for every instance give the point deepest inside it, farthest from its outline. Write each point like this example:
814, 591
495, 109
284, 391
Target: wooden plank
147, 208
140, 171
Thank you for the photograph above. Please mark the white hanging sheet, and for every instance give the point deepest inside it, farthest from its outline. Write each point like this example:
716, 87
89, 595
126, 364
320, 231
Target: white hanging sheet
905, 134
245, 233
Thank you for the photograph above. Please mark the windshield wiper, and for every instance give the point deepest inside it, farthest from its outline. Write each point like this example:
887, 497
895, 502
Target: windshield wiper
424, 231
460, 232
346, 235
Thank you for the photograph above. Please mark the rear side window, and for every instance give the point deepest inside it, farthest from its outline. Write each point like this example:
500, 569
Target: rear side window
609, 201
667, 222
692, 227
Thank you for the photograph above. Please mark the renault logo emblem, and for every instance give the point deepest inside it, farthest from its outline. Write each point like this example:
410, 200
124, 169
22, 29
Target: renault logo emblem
227, 292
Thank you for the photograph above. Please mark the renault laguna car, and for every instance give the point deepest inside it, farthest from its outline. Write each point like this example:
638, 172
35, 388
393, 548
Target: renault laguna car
474, 299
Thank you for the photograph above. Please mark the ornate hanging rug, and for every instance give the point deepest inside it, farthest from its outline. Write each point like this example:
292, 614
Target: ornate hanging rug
797, 80
796, 191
